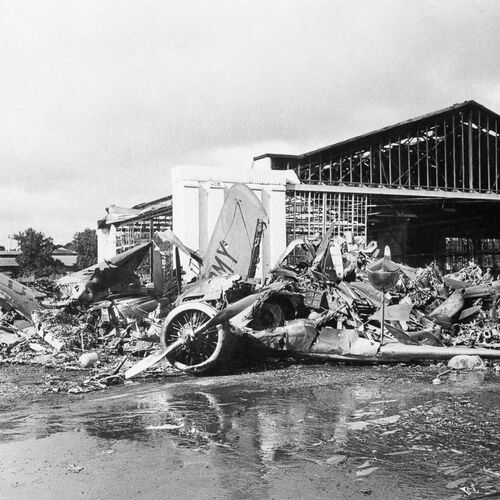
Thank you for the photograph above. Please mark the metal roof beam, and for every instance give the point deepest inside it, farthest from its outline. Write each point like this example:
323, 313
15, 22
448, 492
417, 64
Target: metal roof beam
415, 193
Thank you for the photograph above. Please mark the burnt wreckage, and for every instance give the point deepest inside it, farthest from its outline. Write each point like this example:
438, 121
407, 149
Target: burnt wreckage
328, 302
436, 174
328, 297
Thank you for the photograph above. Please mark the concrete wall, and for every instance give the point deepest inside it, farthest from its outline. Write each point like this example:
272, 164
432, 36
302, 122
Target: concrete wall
106, 242
198, 194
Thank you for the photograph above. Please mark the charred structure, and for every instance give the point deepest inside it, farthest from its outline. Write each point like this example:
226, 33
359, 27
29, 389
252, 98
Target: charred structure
436, 175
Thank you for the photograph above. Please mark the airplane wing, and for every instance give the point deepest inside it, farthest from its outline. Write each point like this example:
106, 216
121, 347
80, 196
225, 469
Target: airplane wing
73, 284
19, 297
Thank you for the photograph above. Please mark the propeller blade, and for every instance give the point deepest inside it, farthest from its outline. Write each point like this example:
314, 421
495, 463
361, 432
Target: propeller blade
229, 312
152, 359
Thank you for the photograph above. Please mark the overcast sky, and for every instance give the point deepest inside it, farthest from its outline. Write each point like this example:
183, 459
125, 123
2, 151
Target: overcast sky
99, 99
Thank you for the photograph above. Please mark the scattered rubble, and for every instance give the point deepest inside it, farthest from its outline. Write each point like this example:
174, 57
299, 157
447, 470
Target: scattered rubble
329, 297
428, 316
62, 325
303, 308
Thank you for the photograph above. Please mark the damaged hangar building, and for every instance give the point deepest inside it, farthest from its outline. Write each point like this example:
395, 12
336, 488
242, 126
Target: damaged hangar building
427, 187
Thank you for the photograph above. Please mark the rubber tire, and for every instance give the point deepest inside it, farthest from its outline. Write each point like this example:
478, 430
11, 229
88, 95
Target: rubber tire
219, 360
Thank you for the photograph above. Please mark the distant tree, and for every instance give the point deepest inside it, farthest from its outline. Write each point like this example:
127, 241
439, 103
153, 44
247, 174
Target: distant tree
36, 257
85, 245
2, 248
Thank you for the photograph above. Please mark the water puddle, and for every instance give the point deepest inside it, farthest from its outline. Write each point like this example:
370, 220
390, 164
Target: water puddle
431, 441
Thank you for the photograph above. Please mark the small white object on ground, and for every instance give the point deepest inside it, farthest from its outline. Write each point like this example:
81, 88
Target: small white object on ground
88, 359
463, 362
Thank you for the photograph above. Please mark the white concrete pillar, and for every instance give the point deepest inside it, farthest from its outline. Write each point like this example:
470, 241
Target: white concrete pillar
266, 198
203, 196
274, 198
106, 242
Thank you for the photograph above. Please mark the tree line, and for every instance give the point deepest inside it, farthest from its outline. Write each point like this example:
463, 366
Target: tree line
37, 249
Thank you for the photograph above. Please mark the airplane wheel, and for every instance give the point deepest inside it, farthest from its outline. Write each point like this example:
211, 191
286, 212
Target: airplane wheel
203, 353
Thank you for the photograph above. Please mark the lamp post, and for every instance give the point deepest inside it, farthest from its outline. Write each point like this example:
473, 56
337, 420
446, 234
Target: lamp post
383, 275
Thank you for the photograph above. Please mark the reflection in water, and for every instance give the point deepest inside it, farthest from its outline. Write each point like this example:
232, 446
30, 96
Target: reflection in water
416, 434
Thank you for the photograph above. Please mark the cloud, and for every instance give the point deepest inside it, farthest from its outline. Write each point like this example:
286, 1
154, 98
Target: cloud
100, 99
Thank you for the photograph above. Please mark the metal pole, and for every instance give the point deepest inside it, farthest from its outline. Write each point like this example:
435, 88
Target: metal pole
350, 167
320, 173
471, 165
371, 164
427, 155
408, 146
151, 251
419, 184
436, 140
380, 163
390, 161
463, 149
479, 150
399, 161
445, 133
360, 167
488, 150
496, 156
454, 157
383, 320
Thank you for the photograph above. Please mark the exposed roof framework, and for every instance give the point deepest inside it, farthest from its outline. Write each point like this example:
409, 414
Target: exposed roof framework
138, 224
454, 149
139, 213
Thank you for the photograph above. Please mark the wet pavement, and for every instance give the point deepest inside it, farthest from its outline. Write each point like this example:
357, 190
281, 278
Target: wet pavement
303, 431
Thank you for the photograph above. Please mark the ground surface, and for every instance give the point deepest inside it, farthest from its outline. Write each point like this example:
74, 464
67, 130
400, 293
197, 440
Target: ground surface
301, 431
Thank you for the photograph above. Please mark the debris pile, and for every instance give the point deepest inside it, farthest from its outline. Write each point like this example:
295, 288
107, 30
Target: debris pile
81, 322
319, 300
422, 308
330, 297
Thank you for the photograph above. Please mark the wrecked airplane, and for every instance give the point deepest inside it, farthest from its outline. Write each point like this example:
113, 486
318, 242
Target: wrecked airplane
328, 297
329, 304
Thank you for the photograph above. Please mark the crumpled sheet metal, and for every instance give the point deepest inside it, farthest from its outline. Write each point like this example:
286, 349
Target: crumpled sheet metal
18, 297
296, 335
301, 336
343, 342
86, 284
424, 309
396, 312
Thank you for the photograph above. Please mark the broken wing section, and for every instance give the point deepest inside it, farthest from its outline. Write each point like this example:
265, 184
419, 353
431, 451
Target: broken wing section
235, 242
169, 236
15, 296
85, 285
